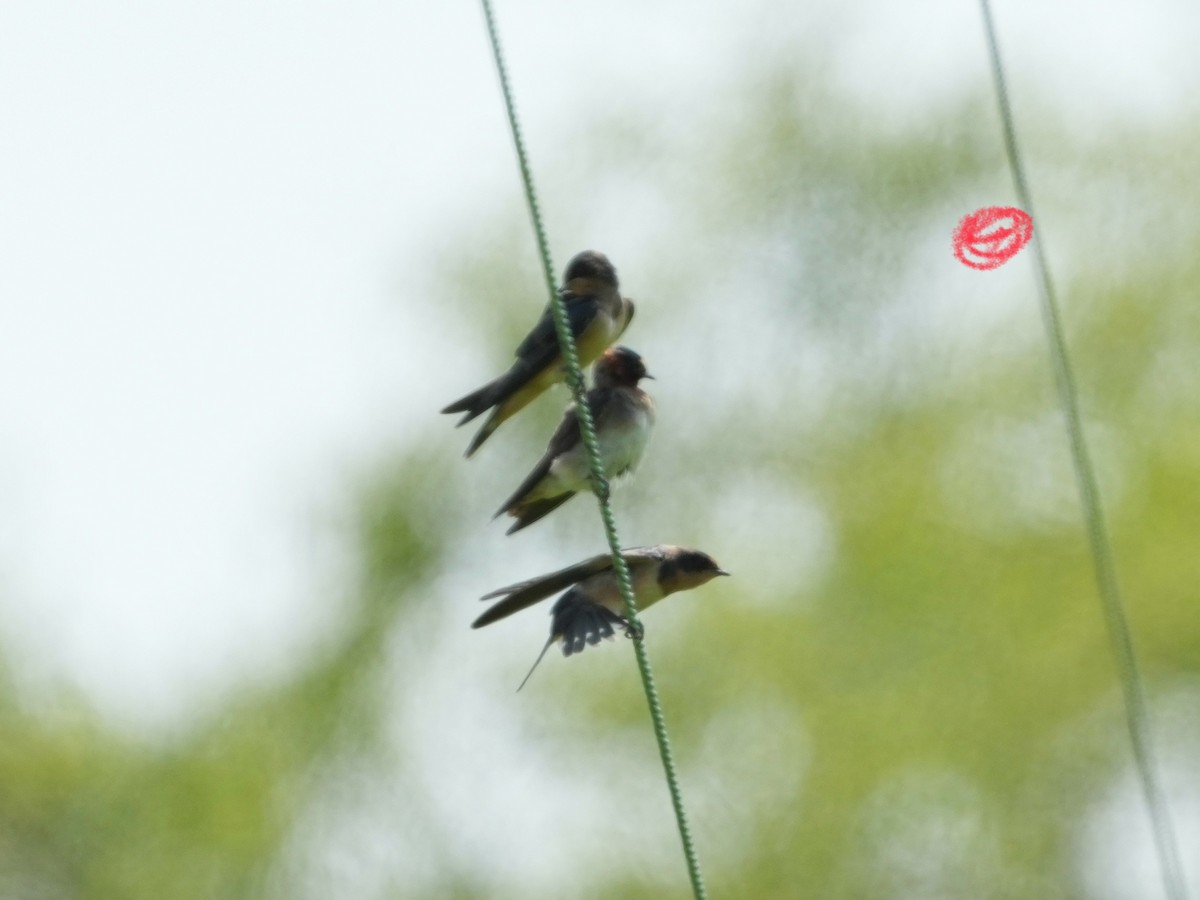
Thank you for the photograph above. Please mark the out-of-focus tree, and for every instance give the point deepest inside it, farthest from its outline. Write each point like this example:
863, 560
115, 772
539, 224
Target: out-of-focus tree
905, 690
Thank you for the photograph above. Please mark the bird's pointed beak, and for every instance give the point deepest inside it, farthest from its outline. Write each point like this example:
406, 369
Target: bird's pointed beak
722, 572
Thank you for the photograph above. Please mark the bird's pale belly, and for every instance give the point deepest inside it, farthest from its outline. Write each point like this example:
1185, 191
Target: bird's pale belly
645, 590
619, 452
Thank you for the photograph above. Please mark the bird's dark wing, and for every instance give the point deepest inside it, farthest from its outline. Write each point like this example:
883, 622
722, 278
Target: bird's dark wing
526, 593
544, 585
579, 622
540, 347
569, 433
565, 438
539, 509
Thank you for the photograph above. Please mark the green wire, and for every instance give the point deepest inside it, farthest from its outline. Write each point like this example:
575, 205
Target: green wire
599, 482
1120, 636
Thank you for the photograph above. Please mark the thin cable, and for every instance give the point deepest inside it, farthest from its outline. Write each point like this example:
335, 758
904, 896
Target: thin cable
599, 483
1120, 636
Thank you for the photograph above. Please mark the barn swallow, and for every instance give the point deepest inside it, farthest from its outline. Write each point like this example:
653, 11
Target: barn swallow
597, 314
593, 605
623, 415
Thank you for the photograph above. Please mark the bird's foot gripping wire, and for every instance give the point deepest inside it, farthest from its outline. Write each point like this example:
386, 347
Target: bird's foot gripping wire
633, 630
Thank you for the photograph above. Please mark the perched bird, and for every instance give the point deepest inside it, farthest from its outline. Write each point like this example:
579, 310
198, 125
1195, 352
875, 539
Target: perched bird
623, 415
593, 605
597, 315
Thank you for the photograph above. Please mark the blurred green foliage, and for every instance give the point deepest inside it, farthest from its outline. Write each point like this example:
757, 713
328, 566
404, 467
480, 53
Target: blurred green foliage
937, 683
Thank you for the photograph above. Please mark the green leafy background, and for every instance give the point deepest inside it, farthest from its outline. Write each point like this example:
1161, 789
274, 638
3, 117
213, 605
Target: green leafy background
905, 691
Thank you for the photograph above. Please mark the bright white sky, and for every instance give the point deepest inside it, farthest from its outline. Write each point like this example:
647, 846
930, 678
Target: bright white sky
216, 228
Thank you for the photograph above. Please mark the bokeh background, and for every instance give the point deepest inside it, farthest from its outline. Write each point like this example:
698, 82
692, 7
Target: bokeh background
248, 253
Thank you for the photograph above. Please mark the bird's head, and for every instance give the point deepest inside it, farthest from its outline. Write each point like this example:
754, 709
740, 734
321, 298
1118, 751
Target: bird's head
589, 266
619, 367
684, 569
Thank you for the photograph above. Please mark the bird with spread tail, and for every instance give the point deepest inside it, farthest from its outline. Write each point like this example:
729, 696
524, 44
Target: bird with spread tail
623, 415
597, 315
590, 609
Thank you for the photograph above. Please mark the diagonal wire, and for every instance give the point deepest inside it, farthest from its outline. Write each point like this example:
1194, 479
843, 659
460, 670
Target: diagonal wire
599, 482
1120, 637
